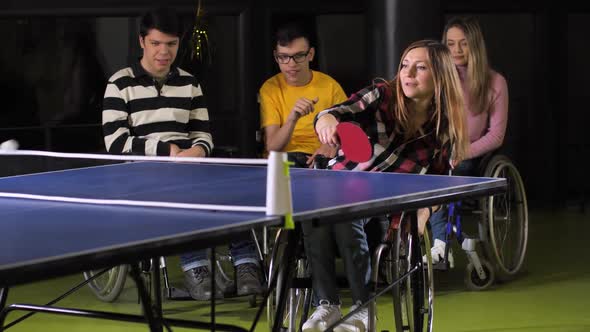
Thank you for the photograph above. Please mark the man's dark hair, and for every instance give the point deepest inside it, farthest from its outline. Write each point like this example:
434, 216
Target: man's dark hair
288, 32
164, 19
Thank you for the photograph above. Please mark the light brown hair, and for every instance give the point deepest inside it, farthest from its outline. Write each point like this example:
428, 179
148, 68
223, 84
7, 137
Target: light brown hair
478, 68
447, 100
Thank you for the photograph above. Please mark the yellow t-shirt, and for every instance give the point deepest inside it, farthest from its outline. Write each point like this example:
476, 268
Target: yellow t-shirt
277, 98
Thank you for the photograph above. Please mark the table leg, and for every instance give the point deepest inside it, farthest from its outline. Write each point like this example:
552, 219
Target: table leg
416, 278
3, 297
3, 312
287, 264
151, 309
213, 269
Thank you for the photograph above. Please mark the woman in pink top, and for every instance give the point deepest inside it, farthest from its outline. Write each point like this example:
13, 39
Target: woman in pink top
485, 94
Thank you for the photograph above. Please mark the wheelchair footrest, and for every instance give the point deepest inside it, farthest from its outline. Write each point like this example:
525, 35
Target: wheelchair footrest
440, 266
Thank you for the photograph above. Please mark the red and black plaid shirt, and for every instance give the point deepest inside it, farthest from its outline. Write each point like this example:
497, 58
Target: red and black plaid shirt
370, 108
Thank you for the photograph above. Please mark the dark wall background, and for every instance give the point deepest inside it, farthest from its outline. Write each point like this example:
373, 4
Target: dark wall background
59, 54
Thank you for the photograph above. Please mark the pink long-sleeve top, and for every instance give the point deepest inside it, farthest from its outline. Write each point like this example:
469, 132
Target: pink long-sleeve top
486, 129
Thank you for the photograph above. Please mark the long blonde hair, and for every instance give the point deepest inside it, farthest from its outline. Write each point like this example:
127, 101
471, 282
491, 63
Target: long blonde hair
478, 68
447, 100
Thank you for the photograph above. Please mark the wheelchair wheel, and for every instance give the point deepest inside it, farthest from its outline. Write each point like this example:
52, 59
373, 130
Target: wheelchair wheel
413, 297
504, 225
472, 279
108, 286
299, 299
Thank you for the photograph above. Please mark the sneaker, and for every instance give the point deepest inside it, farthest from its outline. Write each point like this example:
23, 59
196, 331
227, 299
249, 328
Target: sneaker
324, 315
248, 279
438, 253
198, 284
359, 322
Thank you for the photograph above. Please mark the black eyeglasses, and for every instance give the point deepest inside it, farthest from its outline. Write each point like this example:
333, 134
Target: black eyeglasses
298, 58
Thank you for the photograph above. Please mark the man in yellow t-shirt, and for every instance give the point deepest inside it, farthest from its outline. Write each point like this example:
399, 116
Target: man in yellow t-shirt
290, 99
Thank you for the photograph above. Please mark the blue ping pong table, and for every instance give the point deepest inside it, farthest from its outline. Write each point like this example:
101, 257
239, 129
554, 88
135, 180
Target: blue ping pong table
43, 237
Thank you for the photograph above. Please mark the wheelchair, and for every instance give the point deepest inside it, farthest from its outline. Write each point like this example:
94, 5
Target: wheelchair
502, 228
400, 253
397, 262
108, 284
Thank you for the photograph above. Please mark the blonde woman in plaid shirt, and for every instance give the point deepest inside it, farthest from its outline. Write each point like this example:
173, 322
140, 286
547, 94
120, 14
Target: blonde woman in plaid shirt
416, 125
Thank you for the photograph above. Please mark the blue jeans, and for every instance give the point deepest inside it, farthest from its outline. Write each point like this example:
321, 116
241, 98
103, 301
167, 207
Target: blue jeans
351, 241
241, 251
438, 220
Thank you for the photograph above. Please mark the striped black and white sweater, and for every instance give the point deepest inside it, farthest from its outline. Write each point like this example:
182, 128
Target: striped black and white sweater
141, 118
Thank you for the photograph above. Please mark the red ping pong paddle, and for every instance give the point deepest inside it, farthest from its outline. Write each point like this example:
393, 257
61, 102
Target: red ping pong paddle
354, 143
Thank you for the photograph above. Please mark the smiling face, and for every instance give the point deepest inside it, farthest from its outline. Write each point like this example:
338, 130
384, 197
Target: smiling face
416, 75
296, 73
159, 52
457, 43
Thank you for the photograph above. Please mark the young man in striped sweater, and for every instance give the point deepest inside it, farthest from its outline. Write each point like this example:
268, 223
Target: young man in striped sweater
154, 108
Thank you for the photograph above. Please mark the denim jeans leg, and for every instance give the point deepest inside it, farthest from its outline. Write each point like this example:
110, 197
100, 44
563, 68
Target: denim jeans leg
194, 259
244, 251
352, 243
438, 224
320, 253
